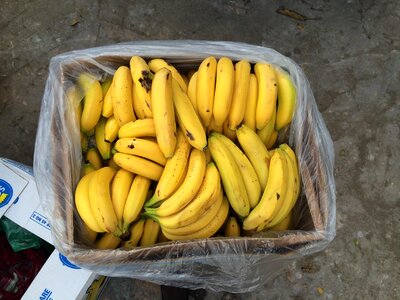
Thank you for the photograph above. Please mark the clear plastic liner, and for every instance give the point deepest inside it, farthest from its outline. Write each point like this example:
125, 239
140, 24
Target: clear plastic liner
221, 264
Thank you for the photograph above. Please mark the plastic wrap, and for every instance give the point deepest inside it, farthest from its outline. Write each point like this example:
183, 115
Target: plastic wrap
221, 264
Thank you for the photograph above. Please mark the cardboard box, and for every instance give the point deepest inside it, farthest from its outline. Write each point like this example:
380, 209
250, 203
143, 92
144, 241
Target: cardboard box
58, 278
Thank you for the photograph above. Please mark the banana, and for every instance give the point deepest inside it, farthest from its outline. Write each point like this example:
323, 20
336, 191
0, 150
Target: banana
192, 90
74, 96
120, 187
93, 157
174, 171
286, 99
232, 228
266, 132
90, 234
136, 235
135, 200
157, 64
141, 147
249, 118
207, 230
200, 221
150, 233
107, 109
138, 128
225, 80
231, 134
207, 195
275, 191
231, 176
102, 145
284, 206
272, 140
267, 93
111, 130
205, 89
105, 85
137, 104
249, 175
240, 92
163, 111
108, 241
189, 188
188, 119
139, 165
86, 169
100, 198
213, 127
142, 78
92, 103
84, 142
256, 151
122, 97
285, 224
82, 203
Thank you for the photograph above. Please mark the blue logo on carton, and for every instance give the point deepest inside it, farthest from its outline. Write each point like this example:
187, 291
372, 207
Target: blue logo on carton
66, 262
6, 192
46, 295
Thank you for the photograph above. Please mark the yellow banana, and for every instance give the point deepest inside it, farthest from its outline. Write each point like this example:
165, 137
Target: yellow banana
231, 134
93, 157
266, 132
74, 96
122, 97
136, 235
213, 127
141, 147
272, 140
231, 176
138, 128
249, 175
285, 224
188, 119
150, 233
135, 200
108, 241
284, 206
86, 169
105, 85
293, 159
82, 203
107, 110
275, 191
92, 103
267, 93
137, 104
286, 99
232, 228
209, 229
189, 188
142, 78
111, 129
120, 187
139, 165
157, 64
205, 89
174, 171
192, 90
225, 80
102, 145
256, 151
163, 111
240, 92
90, 234
100, 198
207, 195
200, 221
84, 142
249, 118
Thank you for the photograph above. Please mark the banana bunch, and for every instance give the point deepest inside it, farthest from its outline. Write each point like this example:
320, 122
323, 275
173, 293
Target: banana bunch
169, 155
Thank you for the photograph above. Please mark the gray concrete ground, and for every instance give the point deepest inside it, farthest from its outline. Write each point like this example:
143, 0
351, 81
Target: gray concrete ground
348, 49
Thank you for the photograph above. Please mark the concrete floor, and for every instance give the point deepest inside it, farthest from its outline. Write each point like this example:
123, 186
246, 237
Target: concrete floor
350, 53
